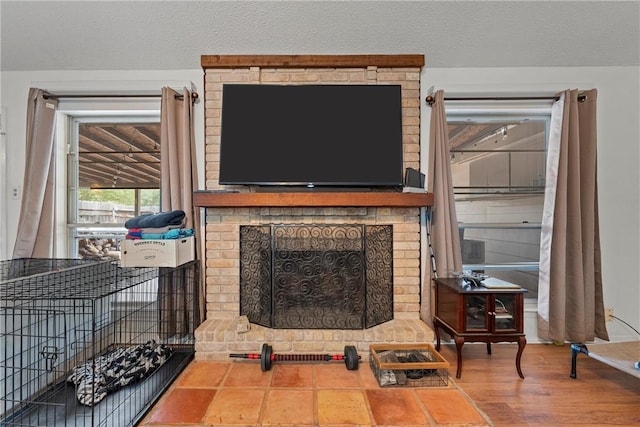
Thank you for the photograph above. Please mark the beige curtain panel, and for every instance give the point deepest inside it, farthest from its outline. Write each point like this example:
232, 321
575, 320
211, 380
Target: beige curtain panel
178, 180
570, 300
36, 223
445, 238
177, 164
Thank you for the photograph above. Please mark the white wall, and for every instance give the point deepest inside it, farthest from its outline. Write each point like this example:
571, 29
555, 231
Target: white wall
618, 161
618, 147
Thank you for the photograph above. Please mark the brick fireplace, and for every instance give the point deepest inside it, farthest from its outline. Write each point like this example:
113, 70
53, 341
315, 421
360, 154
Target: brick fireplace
224, 331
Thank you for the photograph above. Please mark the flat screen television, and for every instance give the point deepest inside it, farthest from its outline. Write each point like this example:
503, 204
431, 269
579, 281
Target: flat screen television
311, 135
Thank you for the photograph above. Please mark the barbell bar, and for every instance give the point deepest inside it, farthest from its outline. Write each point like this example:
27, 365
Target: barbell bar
267, 357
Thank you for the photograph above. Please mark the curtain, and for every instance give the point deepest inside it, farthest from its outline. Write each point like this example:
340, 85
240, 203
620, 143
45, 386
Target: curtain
443, 223
570, 300
36, 223
178, 180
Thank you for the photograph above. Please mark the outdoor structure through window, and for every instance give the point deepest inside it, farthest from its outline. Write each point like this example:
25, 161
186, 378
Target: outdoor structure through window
498, 159
113, 175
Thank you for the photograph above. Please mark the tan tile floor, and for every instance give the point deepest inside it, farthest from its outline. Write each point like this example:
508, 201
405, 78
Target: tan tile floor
238, 393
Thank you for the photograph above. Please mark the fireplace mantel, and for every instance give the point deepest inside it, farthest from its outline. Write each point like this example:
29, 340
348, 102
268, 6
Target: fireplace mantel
310, 61
215, 199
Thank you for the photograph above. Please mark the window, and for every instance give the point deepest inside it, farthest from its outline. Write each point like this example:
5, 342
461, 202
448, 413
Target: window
498, 168
113, 175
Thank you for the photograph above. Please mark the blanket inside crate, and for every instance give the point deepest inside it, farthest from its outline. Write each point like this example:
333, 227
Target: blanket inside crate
115, 369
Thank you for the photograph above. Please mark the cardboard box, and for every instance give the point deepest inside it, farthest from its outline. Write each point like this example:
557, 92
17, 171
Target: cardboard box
157, 253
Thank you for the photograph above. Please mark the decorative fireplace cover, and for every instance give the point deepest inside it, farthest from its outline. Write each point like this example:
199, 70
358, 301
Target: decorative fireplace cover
316, 276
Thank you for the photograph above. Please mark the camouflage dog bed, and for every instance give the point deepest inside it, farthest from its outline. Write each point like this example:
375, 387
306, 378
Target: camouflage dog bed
115, 369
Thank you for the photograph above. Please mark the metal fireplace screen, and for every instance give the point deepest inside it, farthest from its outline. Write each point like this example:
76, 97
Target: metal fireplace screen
316, 276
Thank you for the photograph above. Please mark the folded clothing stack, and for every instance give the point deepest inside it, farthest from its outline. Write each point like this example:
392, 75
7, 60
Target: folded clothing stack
163, 225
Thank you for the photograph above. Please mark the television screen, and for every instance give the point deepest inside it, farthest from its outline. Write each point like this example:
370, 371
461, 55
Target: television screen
311, 135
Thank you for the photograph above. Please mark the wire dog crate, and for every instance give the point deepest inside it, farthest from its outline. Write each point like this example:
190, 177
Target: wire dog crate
89, 343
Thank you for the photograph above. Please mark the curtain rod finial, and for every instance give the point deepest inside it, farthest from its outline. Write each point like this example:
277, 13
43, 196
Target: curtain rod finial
430, 100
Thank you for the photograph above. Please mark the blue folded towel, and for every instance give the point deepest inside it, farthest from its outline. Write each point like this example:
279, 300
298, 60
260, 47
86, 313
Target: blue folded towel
161, 219
176, 233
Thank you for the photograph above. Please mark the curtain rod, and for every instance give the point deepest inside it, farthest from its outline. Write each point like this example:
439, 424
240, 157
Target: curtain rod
430, 99
47, 95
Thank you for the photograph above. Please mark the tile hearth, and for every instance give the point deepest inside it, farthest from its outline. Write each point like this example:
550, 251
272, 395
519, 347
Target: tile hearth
217, 338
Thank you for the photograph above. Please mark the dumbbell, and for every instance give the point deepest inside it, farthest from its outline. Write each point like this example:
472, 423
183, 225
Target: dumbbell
267, 357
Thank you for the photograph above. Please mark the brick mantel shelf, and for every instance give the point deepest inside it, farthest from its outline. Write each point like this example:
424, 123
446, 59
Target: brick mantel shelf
208, 199
310, 61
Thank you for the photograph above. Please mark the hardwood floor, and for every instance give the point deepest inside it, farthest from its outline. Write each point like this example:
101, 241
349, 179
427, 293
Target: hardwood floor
600, 395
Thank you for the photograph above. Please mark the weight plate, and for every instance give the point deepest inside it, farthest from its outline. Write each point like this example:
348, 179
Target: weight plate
265, 357
351, 359
270, 357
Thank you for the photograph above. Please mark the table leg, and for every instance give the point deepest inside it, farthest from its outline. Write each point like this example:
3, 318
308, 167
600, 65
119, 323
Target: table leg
459, 343
436, 329
522, 341
489, 347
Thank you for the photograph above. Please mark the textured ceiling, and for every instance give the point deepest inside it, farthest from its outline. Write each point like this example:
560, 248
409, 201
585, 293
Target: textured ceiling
144, 35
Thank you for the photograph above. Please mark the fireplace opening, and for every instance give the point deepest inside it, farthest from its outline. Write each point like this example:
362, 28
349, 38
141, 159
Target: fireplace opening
316, 276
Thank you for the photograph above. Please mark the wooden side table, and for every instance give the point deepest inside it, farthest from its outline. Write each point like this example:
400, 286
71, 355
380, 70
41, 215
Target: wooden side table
479, 314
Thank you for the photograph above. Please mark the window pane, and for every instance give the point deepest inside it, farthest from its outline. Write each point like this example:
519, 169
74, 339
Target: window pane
498, 170
119, 155
510, 254
96, 243
102, 206
497, 158
115, 171
500, 245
